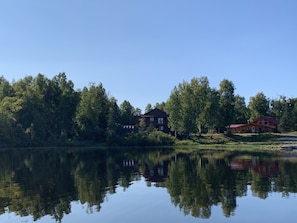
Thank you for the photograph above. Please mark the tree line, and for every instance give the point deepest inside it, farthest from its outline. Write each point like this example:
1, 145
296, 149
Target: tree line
39, 111
195, 107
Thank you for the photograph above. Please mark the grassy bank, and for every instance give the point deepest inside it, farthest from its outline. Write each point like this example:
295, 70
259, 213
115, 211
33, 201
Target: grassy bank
262, 141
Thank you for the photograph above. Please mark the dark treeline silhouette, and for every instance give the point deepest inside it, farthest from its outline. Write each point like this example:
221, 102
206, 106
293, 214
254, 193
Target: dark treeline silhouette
37, 111
45, 182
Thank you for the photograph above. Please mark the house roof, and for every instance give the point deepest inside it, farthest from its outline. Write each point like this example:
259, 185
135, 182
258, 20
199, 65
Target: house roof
232, 126
155, 113
255, 122
268, 118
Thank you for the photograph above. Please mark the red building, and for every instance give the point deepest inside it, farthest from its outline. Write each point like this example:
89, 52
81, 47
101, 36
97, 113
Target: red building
261, 124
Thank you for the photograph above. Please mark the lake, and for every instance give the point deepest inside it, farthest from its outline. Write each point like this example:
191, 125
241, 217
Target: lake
146, 185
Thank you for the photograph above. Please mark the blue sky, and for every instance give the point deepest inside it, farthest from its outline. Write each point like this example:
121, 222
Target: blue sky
140, 49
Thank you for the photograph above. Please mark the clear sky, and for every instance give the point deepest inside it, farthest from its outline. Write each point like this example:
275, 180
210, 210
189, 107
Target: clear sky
140, 49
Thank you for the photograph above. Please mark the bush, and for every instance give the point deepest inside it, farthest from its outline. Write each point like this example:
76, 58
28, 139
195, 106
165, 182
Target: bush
145, 138
160, 138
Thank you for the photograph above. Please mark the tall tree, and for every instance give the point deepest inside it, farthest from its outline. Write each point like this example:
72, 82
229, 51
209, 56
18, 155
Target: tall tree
258, 106
276, 107
127, 113
11, 132
202, 100
212, 110
148, 108
188, 109
92, 111
137, 111
34, 115
65, 106
240, 110
173, 106
160, 106
49, 96
114, 127
288, 119
186, 106
6, 125
227, 102
6, 89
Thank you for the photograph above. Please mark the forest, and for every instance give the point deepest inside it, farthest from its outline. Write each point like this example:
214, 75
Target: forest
38, 111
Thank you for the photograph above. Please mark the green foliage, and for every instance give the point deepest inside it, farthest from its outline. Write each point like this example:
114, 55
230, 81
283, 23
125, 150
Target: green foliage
285, 110
173, 108
44, 108
148, 108
40, 111
160, 138
142, 125
6, 89
258, 106
146, 138
187, 106
240, 110
92, 113
65, 108
135, 139
227, 102
6, 126
114, 127
160, 106
211, 115
127, 113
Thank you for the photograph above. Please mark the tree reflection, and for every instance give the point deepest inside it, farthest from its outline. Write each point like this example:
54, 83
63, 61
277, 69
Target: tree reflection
198, 183
45, 182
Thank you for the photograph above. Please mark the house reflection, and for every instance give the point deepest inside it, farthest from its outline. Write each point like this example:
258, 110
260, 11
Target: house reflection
156, 174
263, 168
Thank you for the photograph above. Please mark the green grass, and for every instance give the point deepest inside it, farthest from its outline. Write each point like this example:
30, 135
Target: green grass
228, 147
255, 138
223, 139
207, 139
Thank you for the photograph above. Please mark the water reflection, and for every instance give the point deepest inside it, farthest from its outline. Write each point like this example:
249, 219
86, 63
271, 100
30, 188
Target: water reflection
44, 182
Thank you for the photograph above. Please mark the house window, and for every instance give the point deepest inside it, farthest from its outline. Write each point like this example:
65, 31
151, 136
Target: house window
161, 128
160, 121
151, 119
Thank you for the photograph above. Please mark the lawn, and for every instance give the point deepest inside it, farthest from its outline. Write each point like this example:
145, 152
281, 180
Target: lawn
223, 139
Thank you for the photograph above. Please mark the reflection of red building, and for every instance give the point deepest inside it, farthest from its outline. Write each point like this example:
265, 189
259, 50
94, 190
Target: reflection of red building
263, 168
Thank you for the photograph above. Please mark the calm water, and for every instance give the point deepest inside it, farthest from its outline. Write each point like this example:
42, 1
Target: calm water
141, 185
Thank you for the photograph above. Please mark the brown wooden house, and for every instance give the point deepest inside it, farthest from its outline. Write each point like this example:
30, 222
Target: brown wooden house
155, 117
260, 124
